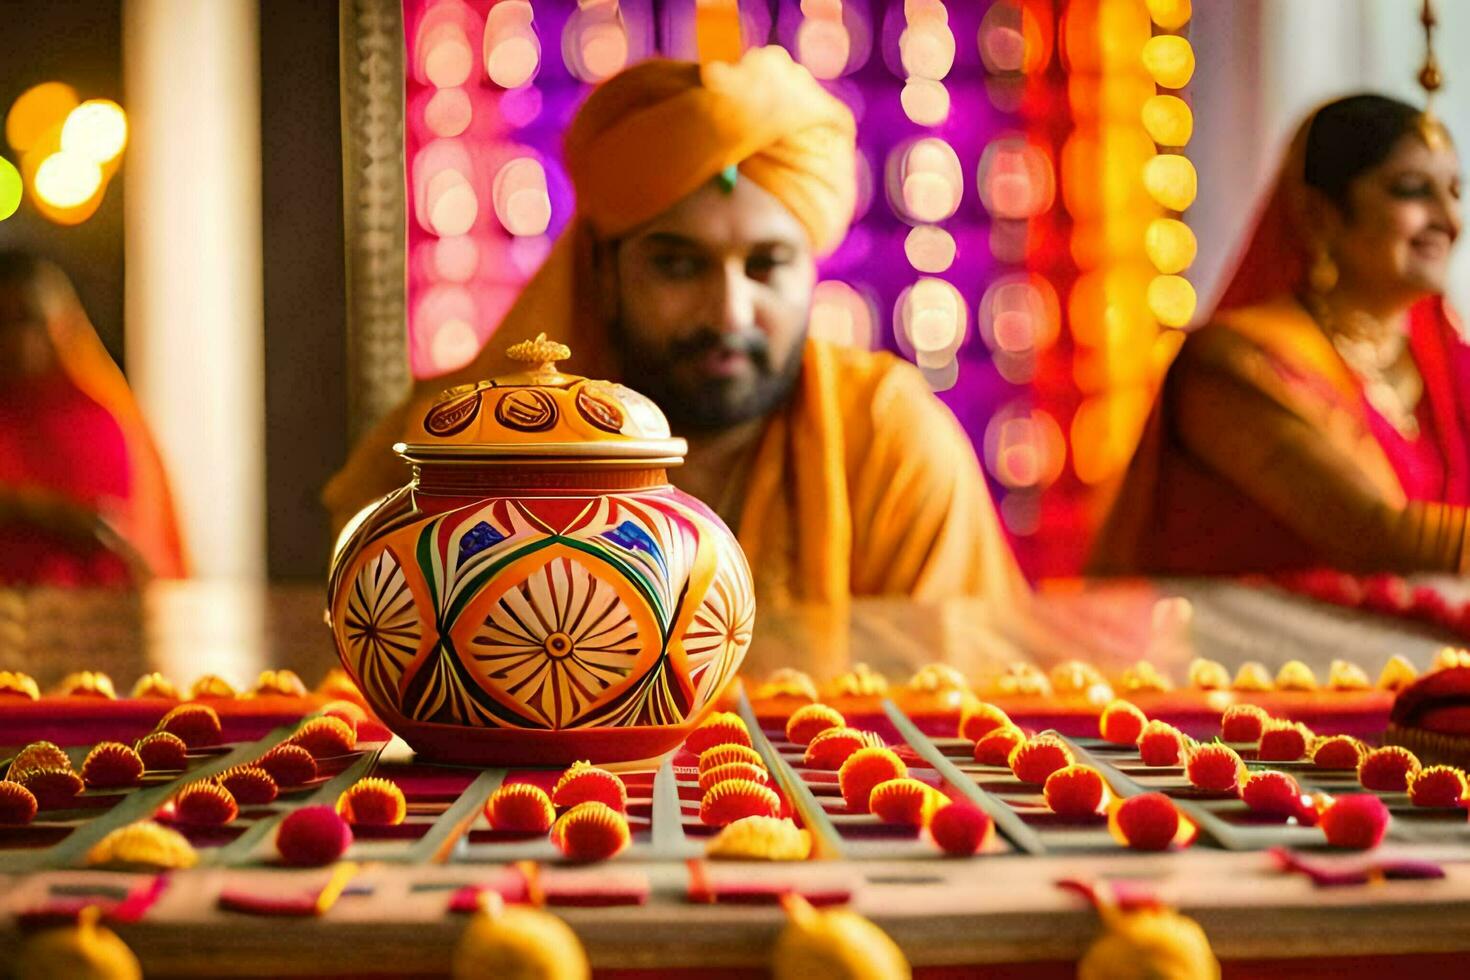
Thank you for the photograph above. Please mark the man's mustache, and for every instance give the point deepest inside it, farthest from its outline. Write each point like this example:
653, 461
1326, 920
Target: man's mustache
751, 343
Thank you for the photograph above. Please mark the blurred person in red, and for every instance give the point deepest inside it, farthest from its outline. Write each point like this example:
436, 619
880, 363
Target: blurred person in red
83, 495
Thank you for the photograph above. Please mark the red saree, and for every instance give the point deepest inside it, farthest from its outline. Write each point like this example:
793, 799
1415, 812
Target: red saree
1262, 453
75, 440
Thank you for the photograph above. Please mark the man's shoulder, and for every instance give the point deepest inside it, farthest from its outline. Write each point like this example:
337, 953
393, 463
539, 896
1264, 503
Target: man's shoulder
880, 394
866, 377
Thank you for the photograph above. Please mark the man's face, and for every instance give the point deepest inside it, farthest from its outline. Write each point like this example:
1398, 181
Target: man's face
713, 300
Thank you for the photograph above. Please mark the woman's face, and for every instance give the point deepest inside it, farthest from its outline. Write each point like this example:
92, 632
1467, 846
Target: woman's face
1402, 219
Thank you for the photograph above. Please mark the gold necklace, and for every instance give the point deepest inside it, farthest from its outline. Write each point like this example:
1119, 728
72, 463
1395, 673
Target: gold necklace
1370, 361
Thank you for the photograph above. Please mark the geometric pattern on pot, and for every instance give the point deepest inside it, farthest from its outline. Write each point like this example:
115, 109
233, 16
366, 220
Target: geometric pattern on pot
557, 612
381, 628
719, 634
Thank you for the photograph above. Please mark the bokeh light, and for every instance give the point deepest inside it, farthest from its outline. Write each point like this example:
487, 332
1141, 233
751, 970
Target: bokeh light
1172, 300
448, 57
1168, 120
924, 180
457, 258
1024, 447
929, 248
1169, 59
926, 48
823, 45
454, 345
595, 42
1170, 179
930, 318
452, 203
1104, 433
11, 188
842, 315
1169, 14
97, 130
1019, 313
67, 180
512, 50
39, 110
1170, 244
1015, 179
522, 202
925, 101
448, 112
1011, 39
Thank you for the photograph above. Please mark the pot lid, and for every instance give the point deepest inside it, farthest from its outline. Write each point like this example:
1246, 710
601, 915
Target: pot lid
540, 413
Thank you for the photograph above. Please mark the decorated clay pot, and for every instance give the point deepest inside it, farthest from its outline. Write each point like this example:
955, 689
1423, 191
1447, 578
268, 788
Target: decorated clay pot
538, 593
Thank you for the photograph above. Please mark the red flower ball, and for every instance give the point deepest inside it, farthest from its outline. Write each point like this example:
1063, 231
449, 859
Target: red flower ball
1282, 741
584, 783
1121, 723
1437, 786
249, 785
17, 804
720, 728
520, 808
205, 804
865, 769
590, 831
1338, 752
326, 737
197, 724
289, 765
1148, 822
1357, 821
111, 765
162, 750
1037, 758
1273, 793
53, 788
1161, 745
313, 836
1243, 723
830, 749
1076, 791
810, 720
1388, 769
1216, 768
978, 720
995, 748
960, 829
735, 799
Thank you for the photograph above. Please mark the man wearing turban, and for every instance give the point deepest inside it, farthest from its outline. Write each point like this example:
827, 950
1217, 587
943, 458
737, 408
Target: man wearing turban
704, 195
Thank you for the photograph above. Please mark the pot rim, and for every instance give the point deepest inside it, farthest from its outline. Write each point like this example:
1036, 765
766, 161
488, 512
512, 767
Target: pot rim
651, 452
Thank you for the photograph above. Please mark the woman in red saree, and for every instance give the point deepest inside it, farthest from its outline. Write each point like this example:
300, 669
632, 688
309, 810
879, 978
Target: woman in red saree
1322, 416
81, 483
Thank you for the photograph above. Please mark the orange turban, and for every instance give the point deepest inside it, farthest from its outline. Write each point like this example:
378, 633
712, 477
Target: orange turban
644, 140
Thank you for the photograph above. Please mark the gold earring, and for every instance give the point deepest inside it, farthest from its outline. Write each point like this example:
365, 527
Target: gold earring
1323, 275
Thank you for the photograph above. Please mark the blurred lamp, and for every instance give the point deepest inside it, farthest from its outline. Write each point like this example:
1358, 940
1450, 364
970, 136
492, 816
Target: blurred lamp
1172, 301
1170, 179
1169, 59
67, 180
11, 188
96, 130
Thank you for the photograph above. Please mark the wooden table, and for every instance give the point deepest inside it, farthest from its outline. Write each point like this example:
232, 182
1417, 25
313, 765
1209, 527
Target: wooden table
1002, 909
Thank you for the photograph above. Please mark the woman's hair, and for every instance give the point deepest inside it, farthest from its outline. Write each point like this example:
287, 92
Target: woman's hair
1351, 136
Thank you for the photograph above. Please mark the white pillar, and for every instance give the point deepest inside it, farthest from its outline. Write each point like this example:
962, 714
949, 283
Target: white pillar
195, 348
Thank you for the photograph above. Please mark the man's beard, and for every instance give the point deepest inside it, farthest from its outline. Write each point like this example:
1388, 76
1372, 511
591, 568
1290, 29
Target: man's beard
707, 404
